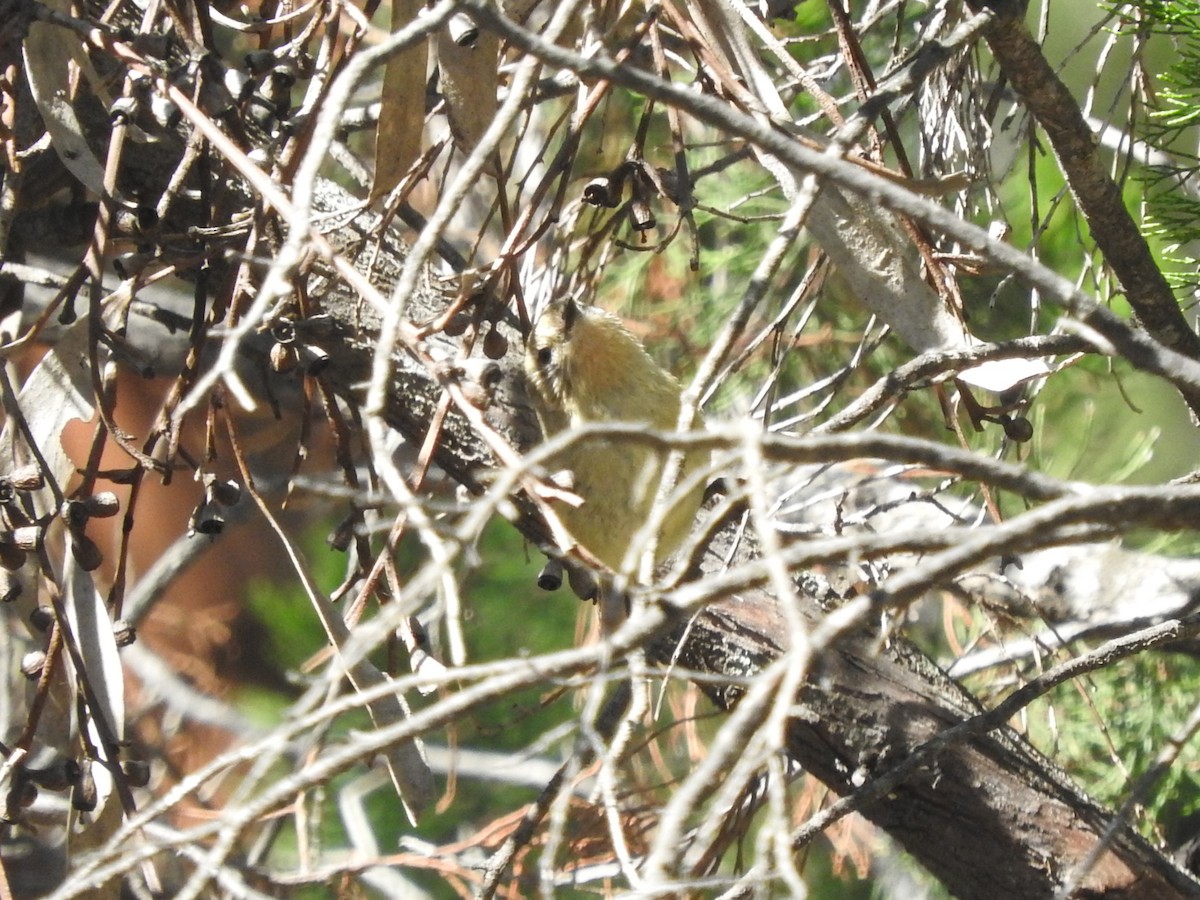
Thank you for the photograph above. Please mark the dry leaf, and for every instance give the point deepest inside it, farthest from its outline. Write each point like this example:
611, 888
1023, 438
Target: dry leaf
92, 628
49, 51
469, 80
57, 392
402, 107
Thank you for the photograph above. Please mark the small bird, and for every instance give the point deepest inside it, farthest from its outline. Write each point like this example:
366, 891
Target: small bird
584, 367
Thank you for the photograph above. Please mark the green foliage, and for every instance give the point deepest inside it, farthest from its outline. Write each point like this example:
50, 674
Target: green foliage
1173, 194
506, 615
1114, 724
1085, 429
293, 634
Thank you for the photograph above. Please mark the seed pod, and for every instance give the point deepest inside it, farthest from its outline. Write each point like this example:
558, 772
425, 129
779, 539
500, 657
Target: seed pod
283, 358
27, 478
102, 505
495, 345
313, 358
463, 30
86, 553
583, 583
284, 331
137, 772
11, 557
321, 325
457, 325
668, 179
602, 191
261, 111
277, 86
551, 576
75, 513
83, 792
56, 777
259, 61
343, 533
206, 519
224, 493
28, 538
641, 218
146, 217
165, 112
238, 83
41, 617
124, 633
1017, 428
32, 664
123, 109
159, 452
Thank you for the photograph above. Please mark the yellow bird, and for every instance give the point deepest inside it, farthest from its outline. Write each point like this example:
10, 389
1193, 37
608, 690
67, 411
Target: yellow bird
584, 367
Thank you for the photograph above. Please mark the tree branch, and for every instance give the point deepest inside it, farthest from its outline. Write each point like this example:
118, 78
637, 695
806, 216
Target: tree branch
990, 817
1099, 197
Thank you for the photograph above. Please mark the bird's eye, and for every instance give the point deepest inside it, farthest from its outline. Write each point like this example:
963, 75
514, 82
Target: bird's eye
545, 356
